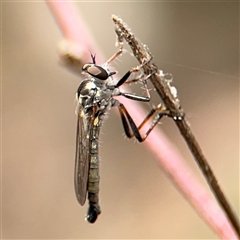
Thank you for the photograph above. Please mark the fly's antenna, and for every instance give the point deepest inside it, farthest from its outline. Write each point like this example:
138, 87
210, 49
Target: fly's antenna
93, 58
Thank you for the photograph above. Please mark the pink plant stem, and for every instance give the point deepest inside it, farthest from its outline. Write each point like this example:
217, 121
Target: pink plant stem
168, 157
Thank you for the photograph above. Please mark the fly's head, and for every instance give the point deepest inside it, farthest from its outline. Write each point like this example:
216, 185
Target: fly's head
96, 71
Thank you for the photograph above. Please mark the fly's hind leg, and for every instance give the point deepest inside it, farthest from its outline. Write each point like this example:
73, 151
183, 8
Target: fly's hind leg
130, 127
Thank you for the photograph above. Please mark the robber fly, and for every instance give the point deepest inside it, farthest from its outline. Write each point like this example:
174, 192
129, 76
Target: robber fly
95, 96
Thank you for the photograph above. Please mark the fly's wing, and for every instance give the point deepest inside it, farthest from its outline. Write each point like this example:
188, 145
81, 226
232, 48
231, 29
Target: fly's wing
84, 125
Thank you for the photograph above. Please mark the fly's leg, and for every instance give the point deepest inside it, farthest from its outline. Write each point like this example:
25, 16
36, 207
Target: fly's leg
145, 87
119, 52
124, 80
130, 128
119, 43
135, 69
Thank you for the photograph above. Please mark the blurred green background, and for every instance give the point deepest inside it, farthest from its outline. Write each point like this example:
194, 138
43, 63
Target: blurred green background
198, 42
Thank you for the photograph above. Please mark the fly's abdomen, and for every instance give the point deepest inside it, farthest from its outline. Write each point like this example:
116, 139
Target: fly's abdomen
93, 178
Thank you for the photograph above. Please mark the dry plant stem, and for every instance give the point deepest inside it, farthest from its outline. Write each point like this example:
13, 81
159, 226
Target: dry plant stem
171, 104
167, 155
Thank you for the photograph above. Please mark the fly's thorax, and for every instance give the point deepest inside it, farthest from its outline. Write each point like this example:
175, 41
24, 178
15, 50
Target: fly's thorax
85, 87
103, 95
116, 92
85, 93
94, 92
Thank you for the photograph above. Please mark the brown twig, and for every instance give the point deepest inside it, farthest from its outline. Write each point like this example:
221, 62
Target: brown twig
172, 103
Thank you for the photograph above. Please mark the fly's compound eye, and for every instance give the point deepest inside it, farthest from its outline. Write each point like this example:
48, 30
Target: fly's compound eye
95, 71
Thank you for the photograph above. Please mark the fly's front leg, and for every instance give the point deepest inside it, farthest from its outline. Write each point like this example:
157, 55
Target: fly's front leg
124, 79
134, 69
132, 96
119, 44
119, 52
131, 129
